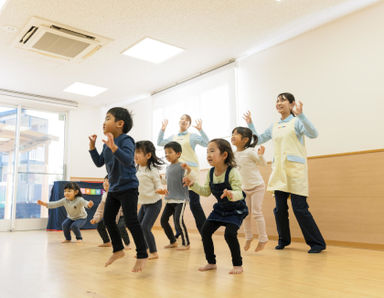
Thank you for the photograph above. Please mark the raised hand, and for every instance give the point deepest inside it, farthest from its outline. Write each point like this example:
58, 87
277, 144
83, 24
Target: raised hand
247, 117
227, 193
92, 142
161, 191
164, 124
298, 108
186, 167
199, 124
110, 142
261, 150
90, 204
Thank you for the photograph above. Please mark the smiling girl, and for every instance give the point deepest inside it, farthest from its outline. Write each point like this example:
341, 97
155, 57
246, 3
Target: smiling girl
74, 204
224, 183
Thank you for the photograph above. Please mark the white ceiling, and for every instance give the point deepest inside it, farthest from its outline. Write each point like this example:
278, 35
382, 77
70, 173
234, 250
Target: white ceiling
210, 31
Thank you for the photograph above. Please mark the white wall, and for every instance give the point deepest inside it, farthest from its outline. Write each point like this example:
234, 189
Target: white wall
83, 122
142, 119
337, 71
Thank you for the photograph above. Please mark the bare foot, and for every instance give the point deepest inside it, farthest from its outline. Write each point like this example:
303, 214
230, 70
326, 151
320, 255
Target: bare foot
208, 267
128, 248
236, 270
139, 265
183, 247
260, 246
116, 255
66, 241
108, 244
153, 255
79, 241
172, 245
247, 244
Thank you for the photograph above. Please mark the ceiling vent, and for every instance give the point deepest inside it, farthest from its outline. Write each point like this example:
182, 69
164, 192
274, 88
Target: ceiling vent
59, 41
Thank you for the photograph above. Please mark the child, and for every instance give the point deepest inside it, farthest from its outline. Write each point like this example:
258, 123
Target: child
188, 142
98, 218
148, 165
247, 160
223, 181
74, 204
118, 156
176, 197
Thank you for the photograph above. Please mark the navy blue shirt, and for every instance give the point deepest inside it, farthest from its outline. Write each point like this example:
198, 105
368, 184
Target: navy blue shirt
120, 165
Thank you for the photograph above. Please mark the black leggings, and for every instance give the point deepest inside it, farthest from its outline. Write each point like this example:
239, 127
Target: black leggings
230, 236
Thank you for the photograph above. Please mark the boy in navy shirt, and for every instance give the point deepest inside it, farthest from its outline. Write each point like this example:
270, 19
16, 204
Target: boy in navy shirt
118, 157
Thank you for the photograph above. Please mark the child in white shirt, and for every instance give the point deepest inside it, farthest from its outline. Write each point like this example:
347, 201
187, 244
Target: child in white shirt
247, 160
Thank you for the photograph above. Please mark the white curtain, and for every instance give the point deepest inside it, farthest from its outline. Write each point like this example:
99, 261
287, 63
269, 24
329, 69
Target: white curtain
210, 97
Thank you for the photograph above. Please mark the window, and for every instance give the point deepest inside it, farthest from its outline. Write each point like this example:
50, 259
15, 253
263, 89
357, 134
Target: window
210, 98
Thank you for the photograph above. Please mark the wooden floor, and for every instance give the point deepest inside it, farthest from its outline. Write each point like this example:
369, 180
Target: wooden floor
36, 264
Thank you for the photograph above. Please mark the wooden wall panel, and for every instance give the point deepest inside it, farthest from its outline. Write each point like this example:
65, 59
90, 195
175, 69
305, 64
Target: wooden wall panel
346, 199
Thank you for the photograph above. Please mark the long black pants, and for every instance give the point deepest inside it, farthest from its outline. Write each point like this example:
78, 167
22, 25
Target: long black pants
128, 201
305, 219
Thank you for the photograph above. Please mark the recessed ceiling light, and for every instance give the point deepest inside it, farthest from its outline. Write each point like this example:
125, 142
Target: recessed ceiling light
85, 89
152, 50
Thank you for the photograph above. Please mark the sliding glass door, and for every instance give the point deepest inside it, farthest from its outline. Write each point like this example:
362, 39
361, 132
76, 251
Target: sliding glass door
34, 141
8, 115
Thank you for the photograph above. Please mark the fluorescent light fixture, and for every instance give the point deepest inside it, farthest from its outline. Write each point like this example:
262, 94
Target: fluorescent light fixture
4, 139
85, 89
152, 50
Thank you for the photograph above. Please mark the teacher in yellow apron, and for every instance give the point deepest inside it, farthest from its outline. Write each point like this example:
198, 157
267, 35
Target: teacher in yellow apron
289, 177
188, 142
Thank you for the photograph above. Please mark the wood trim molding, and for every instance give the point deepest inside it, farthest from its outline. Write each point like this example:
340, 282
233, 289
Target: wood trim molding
86, 179
346, 153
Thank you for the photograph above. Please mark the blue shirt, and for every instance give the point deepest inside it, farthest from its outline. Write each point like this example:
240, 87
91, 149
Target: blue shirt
194, 139
302, 127
120, 165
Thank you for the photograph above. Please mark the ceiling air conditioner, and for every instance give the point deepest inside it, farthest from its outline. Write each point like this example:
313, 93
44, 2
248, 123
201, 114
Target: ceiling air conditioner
59, 41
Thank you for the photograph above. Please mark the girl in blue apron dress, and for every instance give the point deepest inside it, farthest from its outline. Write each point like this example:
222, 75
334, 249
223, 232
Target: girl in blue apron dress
224, 183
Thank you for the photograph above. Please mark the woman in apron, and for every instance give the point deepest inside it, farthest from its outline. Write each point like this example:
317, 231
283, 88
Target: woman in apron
289, 177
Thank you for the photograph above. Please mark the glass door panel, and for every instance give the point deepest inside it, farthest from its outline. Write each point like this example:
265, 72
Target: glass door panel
41, 160
8, 116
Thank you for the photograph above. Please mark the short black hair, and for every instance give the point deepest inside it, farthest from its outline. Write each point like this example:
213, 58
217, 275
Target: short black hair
175, 146
124, 115
106, 177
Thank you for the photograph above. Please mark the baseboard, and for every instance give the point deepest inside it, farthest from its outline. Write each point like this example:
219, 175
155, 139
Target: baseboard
371, 246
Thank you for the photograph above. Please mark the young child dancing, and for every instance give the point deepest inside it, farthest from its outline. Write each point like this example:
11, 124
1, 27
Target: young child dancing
247, 160
98, 219
223, 181
74, 204
148, 165
118, 156
176, 196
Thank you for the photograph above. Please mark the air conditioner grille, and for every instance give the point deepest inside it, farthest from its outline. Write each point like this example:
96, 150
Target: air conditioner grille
60, 45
